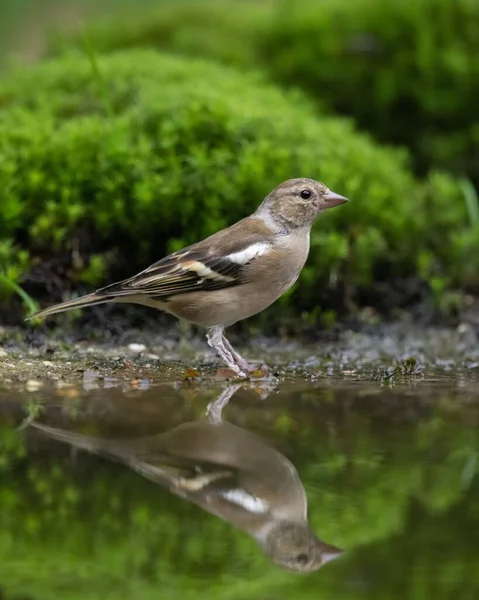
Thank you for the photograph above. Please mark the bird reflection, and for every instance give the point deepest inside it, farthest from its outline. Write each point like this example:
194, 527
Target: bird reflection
229, 472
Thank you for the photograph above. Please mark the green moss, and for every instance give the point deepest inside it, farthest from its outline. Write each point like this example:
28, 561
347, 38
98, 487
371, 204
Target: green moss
407, 70
105, 170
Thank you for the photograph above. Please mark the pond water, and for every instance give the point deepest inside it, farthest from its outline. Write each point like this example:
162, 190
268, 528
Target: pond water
337, 488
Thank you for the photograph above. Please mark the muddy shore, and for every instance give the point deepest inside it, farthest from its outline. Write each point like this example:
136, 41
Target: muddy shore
30, 359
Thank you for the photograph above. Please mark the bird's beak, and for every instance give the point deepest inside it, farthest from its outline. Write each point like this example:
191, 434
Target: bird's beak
330, 200
329, 553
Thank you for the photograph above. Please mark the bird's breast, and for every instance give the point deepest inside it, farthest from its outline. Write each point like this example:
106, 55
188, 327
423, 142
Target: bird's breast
282, 267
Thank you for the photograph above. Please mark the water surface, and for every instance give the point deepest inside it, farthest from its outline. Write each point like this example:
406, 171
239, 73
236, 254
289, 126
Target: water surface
149, 489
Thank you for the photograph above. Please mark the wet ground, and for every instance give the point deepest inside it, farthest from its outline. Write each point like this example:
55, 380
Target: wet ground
143, 470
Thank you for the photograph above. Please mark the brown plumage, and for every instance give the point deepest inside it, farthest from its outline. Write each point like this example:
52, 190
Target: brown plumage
231, 275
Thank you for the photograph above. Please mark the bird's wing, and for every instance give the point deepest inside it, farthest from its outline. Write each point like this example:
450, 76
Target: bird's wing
213, 264
186, 271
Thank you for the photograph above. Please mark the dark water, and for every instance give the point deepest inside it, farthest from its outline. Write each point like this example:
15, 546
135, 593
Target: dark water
131, 492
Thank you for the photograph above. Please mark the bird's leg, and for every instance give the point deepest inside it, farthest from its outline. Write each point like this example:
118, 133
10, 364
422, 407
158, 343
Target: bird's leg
216, 341
240, 361
214, 409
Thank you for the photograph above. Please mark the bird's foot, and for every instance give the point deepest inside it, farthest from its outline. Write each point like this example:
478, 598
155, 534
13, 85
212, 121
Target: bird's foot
245, 369
214, 410
234, 367
233, 359
260, 371
255, 371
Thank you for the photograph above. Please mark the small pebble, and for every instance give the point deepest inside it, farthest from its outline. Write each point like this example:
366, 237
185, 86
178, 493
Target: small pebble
3, 353
136, 348
33, 386
472, 365
467, 333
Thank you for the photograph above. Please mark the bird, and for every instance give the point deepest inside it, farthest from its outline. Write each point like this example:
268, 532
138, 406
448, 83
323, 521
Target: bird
230, 275
229, 472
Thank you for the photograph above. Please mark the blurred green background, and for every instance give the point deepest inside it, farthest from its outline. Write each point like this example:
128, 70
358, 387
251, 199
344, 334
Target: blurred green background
141, 126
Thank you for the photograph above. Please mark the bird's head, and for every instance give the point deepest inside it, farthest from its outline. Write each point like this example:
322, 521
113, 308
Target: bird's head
296, 203
294, 547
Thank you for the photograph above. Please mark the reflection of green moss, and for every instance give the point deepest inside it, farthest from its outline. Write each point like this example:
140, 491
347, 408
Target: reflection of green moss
437, 557
95, 525
105, 172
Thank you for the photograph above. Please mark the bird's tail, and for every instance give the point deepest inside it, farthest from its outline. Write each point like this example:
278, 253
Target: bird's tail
88, 300
78, 440
112, 449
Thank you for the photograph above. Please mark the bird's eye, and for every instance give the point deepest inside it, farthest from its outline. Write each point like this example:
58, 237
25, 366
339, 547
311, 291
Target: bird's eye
305, 194
302, 559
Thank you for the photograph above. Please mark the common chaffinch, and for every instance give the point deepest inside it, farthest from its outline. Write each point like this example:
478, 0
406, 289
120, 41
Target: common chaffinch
231, 275
229, 472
